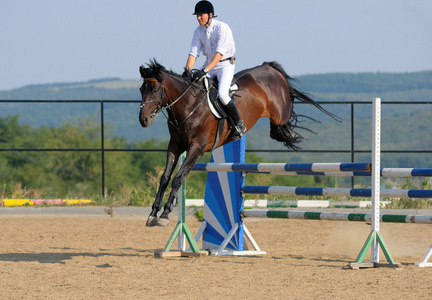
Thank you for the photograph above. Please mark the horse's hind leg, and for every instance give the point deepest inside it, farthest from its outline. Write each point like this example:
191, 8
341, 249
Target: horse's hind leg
191, 159
172, 159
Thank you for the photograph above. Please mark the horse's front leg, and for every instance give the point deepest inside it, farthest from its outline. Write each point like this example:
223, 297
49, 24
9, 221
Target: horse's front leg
191, 159
172, 159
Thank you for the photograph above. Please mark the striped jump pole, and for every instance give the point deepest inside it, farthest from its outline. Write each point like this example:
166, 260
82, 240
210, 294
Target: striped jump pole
384, 172
315, 169
406, 172
335, 192
282, 167
335, 216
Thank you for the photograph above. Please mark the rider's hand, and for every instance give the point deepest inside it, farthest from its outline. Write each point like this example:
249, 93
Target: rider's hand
199, 74
187, 74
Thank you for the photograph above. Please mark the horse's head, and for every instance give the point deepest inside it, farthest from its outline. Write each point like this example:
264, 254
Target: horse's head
153, 93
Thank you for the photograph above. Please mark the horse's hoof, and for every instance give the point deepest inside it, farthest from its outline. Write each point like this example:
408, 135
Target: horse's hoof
163, 222
152, 221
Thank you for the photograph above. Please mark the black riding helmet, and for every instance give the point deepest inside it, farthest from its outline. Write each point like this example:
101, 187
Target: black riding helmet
204, 7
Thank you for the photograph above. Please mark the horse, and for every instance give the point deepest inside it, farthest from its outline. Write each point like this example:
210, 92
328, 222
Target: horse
264, 91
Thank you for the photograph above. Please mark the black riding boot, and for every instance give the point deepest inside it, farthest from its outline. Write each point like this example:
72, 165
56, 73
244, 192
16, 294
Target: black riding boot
239, 127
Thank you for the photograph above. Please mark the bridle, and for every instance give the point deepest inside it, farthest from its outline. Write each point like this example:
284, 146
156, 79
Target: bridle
160, 108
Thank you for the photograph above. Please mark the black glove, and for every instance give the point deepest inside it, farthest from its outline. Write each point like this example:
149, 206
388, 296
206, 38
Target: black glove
199, 74
187, 74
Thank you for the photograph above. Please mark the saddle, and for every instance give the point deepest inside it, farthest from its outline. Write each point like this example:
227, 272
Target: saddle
216, 106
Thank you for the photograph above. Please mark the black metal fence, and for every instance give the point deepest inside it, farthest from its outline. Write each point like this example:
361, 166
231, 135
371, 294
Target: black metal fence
352, 151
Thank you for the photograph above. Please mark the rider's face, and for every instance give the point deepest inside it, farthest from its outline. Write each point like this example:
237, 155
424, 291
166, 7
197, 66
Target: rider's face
203, 19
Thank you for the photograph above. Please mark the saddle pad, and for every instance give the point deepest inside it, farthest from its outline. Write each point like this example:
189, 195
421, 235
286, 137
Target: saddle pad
216, 107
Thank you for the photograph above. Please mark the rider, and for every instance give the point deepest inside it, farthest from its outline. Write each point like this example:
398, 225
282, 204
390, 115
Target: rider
215, 40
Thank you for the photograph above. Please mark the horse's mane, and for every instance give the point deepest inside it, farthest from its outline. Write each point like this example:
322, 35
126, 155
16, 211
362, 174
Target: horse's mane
156, 70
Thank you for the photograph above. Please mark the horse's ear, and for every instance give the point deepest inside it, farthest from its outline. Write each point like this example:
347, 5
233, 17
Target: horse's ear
142, 71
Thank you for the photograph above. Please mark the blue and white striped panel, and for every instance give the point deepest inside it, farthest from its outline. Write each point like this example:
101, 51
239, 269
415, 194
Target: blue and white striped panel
223, 200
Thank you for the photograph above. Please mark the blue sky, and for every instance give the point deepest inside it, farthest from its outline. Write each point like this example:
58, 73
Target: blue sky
49, 41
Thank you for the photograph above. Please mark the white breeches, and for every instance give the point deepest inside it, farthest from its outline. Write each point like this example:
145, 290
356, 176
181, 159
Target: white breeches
224, 72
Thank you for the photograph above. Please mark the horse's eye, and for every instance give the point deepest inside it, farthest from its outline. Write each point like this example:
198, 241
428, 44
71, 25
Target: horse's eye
155, 90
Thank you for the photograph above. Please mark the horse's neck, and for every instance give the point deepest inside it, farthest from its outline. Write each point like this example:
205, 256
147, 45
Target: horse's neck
186, 99
184, 94
174, 88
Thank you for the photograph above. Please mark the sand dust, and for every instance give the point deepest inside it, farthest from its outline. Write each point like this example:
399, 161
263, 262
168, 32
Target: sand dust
113, 258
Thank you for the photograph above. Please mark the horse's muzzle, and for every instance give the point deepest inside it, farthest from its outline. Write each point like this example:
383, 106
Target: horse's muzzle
145, 121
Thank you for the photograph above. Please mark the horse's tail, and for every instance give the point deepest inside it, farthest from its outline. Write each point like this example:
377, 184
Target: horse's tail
296, 93
283, 133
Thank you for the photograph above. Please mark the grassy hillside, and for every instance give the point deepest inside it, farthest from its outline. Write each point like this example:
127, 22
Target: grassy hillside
368, 82
403, 125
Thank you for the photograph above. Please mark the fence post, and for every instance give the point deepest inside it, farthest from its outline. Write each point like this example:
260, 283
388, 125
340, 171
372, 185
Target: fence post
103, 149
352, 140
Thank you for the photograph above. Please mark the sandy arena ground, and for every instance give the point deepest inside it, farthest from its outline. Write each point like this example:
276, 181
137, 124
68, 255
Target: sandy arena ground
88, 257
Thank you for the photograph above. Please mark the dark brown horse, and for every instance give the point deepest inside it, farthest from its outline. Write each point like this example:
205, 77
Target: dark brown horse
265, 91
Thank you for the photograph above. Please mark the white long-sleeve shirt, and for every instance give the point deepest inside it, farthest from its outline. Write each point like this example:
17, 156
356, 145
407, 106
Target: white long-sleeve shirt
217, 37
